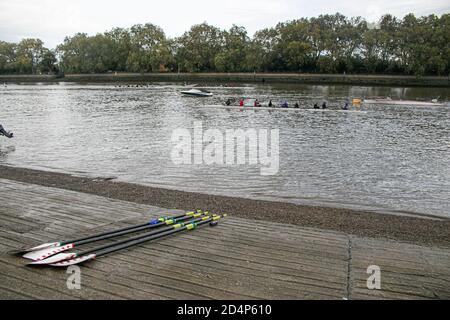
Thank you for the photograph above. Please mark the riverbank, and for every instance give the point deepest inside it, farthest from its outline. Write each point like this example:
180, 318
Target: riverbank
416, 230
326, 79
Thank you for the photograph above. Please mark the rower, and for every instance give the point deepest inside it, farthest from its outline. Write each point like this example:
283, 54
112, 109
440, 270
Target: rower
241, 102
345, 107
324, 105
316, 106
257, 104
296, 105
270, 104
228, 102
5, 133
285, 104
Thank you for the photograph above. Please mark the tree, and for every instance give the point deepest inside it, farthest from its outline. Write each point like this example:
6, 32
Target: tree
7, 57
120, 41
84, 54
48, 62
149, 49
292, 46
236, 46
265, 45
29, 55
198, 48
331, 43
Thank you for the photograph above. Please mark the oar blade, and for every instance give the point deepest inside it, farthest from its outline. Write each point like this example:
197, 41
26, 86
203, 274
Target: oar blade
48, 252
42, 246
17, 251
54, 259
74, 261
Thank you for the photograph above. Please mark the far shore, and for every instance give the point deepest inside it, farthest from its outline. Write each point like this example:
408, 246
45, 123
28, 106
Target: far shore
299, 78
416, 230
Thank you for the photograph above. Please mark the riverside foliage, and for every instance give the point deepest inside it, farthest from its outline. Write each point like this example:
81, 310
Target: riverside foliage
323, 44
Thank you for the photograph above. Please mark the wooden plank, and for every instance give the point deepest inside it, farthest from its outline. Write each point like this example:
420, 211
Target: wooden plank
240, 259
407, 271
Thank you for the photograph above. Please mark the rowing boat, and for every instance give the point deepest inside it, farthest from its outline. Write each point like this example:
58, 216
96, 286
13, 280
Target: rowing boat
404, 102
247, 108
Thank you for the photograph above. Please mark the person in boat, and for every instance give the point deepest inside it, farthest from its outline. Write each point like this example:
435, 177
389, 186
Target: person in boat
241, 102
324, 105
316, 106
345, 107
5, 133
270, 104
228, 102
296, 105
257, 104
285, 104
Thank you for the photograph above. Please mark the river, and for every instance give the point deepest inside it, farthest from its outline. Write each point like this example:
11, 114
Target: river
386, 158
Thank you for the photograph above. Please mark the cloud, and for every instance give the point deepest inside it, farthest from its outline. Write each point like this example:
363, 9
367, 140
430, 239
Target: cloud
52, 20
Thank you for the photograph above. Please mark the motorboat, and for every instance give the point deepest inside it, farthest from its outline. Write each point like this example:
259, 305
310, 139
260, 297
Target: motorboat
197, 93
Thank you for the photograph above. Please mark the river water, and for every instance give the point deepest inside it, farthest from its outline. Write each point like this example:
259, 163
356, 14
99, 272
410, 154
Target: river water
387, 158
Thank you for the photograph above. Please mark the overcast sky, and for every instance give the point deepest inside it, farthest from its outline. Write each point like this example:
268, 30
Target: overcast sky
52, 20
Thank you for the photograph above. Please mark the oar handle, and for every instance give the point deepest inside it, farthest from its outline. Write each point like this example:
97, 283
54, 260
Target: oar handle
113, 235
175, 229
171, 223
99, 235
161, 220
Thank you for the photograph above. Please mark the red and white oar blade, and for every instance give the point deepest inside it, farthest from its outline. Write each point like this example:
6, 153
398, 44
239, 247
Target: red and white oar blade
42, 246
72, 262
54, 259
48, 252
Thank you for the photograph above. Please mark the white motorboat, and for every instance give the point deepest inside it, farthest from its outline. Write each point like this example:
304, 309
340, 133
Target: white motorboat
197, 93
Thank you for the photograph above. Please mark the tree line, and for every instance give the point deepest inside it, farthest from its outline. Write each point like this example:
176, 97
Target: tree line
323, 44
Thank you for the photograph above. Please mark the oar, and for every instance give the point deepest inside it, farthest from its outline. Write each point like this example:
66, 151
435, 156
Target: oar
64, 256
154, 223
67, 259
48, 252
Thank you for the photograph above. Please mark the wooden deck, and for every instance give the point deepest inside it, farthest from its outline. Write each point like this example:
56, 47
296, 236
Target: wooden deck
239, 259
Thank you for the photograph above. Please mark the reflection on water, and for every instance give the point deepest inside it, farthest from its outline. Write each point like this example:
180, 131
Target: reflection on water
5, 151
389, 158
